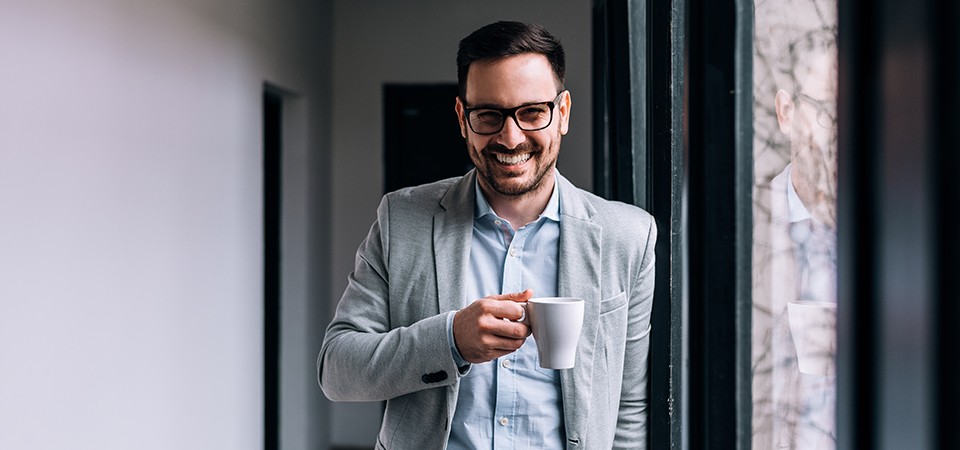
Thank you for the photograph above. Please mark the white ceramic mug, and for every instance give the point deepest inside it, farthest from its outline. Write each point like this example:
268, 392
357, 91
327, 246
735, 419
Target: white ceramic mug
813, 325
556, 323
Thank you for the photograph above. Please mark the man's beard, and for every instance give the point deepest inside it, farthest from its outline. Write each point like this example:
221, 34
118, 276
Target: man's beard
815, 167
502, 185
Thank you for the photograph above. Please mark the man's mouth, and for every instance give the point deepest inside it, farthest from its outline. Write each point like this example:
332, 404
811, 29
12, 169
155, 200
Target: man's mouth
513, 159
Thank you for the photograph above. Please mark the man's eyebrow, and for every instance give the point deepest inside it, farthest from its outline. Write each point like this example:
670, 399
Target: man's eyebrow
495, 106
485, 105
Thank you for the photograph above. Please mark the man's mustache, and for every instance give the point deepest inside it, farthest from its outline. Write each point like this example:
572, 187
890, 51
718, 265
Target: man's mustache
523, 147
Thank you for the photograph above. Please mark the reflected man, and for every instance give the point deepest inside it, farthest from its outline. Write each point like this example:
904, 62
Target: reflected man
795, 287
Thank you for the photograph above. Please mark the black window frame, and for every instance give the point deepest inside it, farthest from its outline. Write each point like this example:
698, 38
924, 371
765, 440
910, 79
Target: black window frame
673, 130
651, 102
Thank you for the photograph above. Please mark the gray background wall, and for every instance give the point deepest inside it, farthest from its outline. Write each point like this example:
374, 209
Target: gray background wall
130, 203
131, 226
379, 41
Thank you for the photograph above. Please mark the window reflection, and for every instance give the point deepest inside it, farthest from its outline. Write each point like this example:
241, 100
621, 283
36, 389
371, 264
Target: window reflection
794, 252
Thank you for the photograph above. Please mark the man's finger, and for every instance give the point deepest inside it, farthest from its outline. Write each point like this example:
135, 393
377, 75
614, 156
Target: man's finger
510, 329
522, 296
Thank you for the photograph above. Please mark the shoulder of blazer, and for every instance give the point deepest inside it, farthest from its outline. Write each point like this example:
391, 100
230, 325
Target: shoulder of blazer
583, 205
425, 200
424, 193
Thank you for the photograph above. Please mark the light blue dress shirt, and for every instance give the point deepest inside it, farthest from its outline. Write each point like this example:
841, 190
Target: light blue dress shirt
510, 402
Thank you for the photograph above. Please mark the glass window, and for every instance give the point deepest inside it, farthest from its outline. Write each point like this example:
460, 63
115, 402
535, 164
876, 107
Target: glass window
794, 242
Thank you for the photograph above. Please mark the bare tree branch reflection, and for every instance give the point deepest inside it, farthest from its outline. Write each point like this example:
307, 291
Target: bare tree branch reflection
794, 252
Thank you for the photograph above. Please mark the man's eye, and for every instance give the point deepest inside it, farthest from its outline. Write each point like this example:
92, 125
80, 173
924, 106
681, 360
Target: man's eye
532, 113
488, 116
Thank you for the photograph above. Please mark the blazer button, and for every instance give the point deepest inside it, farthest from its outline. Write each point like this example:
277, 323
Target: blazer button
435, 377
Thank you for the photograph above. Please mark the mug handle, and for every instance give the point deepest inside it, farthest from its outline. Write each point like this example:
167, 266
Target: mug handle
523, 317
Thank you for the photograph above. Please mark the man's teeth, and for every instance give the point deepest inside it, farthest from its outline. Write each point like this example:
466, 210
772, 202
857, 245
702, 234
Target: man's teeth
514, 159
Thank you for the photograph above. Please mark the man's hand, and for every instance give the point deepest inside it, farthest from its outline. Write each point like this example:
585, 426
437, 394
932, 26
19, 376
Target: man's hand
480, 332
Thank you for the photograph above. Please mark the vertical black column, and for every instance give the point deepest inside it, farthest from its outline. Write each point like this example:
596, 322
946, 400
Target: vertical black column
272, 119
857, 170
947, 164
898, 244
719, 153
620, 100
664, 38
602, 176
638, 98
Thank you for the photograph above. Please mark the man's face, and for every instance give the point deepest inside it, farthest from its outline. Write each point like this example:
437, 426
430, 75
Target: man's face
808, 117
814, 141
514, 163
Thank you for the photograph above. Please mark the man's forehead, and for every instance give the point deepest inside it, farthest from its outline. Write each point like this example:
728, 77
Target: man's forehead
818, 73
515, 79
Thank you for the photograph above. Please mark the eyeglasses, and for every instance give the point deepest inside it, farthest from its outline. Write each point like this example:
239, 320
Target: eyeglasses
826, 111
530, 117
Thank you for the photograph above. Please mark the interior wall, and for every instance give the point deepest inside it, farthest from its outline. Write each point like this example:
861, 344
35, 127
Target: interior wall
377, 42
131, 227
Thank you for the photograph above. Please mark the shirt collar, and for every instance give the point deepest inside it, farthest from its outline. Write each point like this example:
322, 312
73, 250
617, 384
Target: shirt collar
552, 210
795, 209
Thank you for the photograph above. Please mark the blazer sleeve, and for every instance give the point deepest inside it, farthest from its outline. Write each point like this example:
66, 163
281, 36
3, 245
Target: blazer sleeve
366, 358
633, 414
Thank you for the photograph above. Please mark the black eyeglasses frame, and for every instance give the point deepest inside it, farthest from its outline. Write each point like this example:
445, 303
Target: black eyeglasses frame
511, 112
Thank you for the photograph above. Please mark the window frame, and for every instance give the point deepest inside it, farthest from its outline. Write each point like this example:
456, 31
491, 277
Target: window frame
673, 134
720, 221
652, 149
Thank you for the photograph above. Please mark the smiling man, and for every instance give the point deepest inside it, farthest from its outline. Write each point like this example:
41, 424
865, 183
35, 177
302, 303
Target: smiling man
429, 321
512, 148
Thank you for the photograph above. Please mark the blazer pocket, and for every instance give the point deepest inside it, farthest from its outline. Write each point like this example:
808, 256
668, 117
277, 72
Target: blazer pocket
613, 303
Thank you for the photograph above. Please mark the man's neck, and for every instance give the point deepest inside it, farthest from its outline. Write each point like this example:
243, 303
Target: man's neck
523, 209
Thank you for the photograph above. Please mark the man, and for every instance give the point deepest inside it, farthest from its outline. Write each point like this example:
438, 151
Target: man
429, 321
795, 238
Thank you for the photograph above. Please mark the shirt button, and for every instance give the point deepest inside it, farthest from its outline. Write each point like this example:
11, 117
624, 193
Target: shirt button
505, 363
513, 252
504, 421
497, 222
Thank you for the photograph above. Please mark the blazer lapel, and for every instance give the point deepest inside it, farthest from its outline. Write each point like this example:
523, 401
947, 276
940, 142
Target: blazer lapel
579, 276
452, 234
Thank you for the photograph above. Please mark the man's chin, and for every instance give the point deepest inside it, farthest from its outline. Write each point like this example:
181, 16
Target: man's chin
516, 183
502, 185
515, 186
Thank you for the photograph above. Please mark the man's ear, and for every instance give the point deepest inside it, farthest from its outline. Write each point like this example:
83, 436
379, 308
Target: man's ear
564, 110
460, 119
785, 109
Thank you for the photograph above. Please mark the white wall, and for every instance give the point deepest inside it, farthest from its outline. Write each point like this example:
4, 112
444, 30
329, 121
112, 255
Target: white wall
379, 41
130, 221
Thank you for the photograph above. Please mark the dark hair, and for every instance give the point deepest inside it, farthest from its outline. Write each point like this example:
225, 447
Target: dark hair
502, 39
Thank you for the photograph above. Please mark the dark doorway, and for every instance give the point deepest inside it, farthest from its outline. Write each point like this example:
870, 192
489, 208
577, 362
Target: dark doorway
422, 141
272, 116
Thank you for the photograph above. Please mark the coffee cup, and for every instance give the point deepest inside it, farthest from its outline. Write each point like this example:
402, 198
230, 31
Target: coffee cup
556, 323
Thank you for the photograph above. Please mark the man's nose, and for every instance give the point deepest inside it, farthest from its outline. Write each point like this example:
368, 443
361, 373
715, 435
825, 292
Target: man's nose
511, 135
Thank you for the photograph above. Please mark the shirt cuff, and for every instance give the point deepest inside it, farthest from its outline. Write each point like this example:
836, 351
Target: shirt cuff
462, 365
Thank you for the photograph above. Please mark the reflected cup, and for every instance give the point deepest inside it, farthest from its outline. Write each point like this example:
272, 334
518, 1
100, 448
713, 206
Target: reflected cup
813, 325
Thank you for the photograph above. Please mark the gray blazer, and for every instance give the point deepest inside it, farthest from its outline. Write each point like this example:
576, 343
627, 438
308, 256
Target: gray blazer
388, 340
